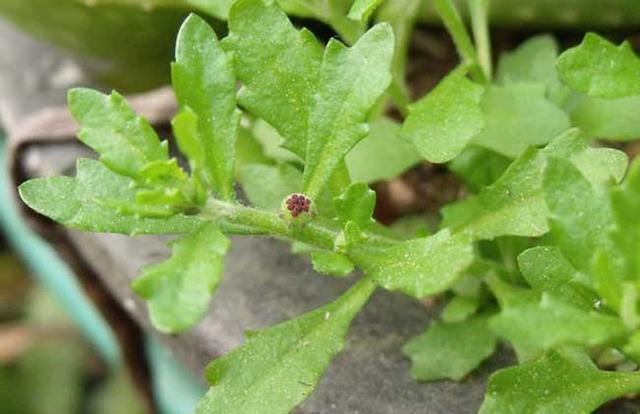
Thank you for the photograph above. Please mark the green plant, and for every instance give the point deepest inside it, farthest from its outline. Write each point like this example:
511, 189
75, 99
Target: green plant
547, 240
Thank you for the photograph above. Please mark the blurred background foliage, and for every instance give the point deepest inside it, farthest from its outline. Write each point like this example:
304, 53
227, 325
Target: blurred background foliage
127, 44
46, 366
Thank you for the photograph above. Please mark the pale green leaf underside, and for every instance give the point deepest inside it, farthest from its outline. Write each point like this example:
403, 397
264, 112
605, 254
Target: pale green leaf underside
533, 61
381, 155
518, 116
450, 350
178, 290
86, 202
580, 213
443, 122
601, 69
356, 204
547, 270
612, 119
331, 263
278, 367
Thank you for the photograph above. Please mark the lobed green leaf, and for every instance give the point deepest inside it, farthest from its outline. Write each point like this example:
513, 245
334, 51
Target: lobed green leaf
515, 204
203, 80
93, 201
534, 62
418, 267
559, 382
601, 69
356, 205
126, 142
580, 215
351, 82
625, 204
533, 328
278, 68
179, 289
279, 366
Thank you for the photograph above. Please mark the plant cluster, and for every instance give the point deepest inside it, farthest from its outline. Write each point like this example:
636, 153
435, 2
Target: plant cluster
543, 254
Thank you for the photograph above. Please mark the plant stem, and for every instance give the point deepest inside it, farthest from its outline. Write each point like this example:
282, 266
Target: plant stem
235, 218
238, 219
454, 24
479, 10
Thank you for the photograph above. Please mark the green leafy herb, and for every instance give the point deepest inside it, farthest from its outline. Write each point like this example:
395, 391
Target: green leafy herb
547, 270
542, 254
577, 227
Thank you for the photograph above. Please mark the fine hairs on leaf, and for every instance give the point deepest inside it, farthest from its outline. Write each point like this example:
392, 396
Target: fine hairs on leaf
287, 135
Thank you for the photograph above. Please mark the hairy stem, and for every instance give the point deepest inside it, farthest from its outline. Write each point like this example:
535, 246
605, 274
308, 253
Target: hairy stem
236, 218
